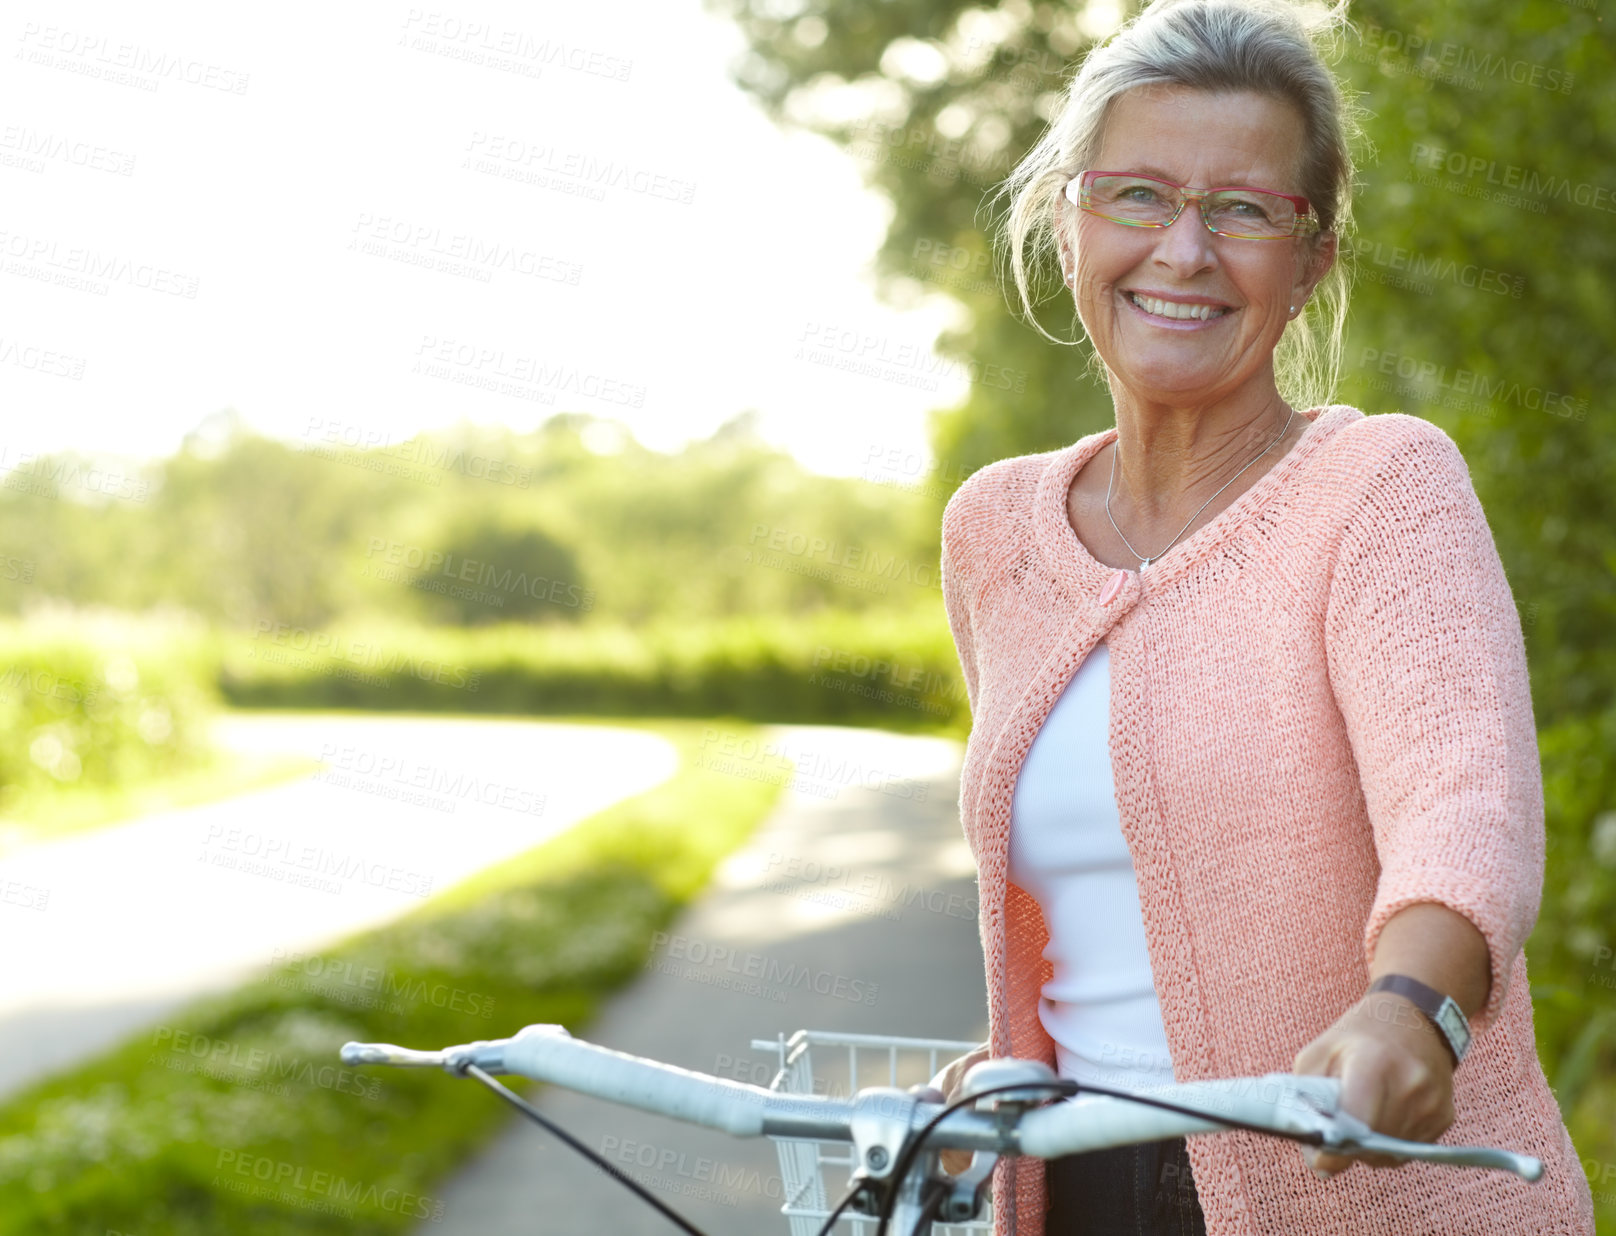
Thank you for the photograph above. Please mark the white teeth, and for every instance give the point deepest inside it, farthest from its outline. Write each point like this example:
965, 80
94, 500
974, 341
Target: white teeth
1175, 309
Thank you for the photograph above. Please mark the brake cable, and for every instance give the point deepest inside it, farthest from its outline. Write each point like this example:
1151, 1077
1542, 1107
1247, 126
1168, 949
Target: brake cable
527, 1109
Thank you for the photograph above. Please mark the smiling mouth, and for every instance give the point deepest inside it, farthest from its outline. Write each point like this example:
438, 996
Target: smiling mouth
1178, 309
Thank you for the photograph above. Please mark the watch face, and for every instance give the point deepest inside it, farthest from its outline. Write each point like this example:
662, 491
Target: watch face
1452, 1019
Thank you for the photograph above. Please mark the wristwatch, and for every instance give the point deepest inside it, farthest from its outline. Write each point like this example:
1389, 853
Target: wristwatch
1444, 1011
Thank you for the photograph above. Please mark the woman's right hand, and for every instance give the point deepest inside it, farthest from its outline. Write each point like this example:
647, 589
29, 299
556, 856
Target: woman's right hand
948, 1080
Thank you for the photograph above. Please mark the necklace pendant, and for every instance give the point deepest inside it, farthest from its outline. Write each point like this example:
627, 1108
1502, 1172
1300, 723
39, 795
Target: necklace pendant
1144, 562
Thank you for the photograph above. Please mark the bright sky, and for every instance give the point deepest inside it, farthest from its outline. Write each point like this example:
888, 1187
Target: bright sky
365, 220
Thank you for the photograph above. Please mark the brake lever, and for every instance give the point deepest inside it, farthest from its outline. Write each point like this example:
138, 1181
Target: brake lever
488, 1056
1345, 1134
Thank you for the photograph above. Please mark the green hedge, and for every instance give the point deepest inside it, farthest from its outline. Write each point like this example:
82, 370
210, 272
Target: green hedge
104, 718
176, 1130
98, 707
898, 671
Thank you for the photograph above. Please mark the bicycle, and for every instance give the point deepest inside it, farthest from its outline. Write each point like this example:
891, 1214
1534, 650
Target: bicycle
896, 1135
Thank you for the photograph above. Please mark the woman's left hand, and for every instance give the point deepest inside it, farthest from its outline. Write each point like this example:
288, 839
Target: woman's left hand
1396, 1075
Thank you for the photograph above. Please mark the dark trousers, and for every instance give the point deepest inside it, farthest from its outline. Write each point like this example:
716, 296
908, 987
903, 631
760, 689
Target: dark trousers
1142, 1190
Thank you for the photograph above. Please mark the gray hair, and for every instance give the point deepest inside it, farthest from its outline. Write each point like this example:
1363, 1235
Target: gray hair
1269, 47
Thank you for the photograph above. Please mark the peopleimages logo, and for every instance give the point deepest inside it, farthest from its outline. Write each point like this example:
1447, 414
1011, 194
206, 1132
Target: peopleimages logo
1467, 383
792, 875
458, 568
810, 546
328, 974
1460, 65
464, 252
185, 1051
277, 636
417, 449
432, 778
97, 55
98, 267
803, 769
251, 852
278, 1178
754, 973
1421, 268
1537, 187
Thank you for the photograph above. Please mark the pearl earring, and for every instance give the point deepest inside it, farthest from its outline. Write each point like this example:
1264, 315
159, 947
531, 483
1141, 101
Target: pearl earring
1293, 311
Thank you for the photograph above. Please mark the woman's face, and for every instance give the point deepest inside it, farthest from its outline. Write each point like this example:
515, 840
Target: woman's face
1202, 140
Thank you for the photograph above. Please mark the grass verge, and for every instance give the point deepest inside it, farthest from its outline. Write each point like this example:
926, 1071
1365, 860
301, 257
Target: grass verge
234, 1115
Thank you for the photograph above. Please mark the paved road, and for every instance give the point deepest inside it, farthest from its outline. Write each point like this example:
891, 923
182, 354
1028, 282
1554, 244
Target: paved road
100, 934
851, 910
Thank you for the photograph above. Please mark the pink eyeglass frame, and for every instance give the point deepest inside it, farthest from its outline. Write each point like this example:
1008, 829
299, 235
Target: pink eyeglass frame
1305, 223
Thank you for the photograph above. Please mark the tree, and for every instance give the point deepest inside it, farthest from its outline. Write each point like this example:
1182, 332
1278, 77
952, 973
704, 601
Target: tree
492, 570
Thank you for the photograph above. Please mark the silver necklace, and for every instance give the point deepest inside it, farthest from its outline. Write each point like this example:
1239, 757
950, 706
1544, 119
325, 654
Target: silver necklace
1143, 561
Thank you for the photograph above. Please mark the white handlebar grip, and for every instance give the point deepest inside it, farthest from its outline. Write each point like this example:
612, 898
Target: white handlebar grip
1277, 1100
549, 1054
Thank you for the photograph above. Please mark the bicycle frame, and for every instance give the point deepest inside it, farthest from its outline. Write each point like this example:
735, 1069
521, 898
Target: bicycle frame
881, 1122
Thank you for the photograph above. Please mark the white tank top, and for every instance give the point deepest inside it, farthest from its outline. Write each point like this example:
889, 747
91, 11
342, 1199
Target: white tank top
1068, 853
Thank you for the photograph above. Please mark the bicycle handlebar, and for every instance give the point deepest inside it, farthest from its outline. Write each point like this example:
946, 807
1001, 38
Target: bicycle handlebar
1280, 1102
548, 1053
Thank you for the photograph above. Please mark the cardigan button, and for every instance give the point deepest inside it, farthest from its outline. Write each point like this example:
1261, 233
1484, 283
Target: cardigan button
1113, 587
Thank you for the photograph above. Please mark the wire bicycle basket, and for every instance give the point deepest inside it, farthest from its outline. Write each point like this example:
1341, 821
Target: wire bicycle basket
839, 1065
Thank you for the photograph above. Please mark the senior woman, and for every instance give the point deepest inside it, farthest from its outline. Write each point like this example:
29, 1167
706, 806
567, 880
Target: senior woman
1252, 781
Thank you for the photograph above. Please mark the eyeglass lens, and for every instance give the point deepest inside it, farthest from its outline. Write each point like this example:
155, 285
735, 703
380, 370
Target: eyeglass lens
1153, 203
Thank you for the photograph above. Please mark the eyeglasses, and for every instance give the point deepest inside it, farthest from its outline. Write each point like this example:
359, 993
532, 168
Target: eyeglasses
1146, 201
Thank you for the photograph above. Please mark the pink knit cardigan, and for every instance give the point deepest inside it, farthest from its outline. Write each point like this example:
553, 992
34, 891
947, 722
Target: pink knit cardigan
1319, 716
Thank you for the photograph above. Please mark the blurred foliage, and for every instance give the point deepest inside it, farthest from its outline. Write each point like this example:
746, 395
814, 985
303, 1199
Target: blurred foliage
469, 588
470, 527
566, 570
94, 706
895, 669
1511, 367
234, 1115
1573, 949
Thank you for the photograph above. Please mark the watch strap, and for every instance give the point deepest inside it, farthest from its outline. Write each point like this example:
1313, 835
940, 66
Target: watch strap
1443, 1011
